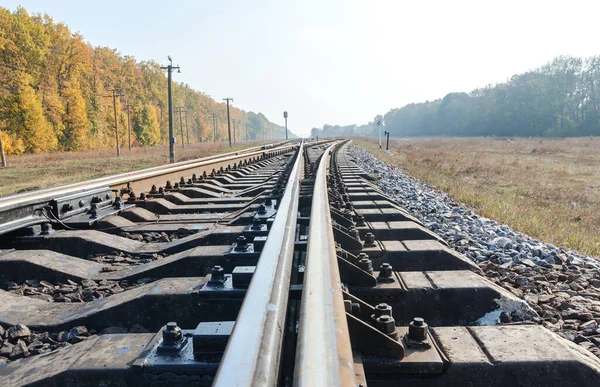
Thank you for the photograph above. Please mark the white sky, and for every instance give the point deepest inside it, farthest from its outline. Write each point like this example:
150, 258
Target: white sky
334, 61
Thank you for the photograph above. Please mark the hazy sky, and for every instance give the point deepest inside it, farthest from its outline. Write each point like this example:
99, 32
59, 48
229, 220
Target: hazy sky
334, 61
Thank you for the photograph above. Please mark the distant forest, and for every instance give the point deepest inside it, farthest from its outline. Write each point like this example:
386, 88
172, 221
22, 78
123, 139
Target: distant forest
54, 94
559, 99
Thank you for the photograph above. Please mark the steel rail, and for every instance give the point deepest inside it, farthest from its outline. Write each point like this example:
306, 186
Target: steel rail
21, 210
323, 351
132, 176
253, 353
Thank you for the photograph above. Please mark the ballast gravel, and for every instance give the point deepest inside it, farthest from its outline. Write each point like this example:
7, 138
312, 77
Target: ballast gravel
561, 285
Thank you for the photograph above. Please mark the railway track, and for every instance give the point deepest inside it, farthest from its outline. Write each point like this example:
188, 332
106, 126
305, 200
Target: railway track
280, 266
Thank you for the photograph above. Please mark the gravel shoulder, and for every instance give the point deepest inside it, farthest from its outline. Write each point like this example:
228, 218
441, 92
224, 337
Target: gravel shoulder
562, 286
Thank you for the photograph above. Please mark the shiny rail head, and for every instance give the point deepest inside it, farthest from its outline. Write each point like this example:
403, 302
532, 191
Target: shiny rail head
253, 353
323, 353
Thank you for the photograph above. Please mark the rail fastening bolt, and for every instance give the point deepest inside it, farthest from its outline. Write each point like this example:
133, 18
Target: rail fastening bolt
171, 333
256, 224
46, 228
417, 329
386, 324
360, 220
94, 211
353, 231
366, 264
242, 244
217, 273
385, 270
382, 309
359, 257
262, 209
369, 239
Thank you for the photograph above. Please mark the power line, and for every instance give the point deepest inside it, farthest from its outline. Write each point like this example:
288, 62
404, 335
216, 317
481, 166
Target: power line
170, 69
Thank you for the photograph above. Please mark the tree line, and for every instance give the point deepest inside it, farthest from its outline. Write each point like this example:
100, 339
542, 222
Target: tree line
559, 99
55, 94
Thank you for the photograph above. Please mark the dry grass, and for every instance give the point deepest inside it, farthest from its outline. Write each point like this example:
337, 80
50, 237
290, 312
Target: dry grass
548, 189
31, 172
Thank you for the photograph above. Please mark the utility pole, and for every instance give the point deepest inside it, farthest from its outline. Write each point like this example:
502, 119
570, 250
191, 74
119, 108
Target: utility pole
387, 145
114, 95
2, 151
128, 124
285, 115
379, 125
228, 120
170, 69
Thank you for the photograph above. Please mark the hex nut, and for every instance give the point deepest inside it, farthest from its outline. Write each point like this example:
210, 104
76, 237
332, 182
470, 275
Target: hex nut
366, 264
417, 329
171, 333
385, 270
386, 324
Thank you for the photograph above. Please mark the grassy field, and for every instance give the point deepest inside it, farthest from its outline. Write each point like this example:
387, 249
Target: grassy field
30, 172
548, 189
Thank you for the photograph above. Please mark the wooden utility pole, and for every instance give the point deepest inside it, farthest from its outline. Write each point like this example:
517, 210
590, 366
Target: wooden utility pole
114, 96
2, 151
228, 119
170, 69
